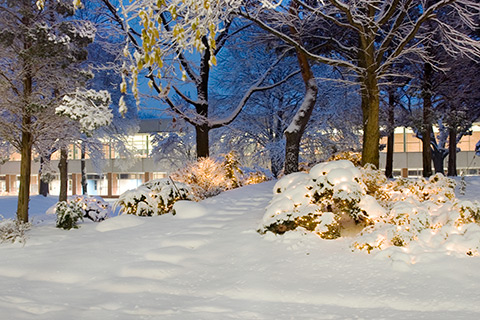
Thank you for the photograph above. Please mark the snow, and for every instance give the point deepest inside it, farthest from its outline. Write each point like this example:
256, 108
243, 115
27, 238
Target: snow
208, 262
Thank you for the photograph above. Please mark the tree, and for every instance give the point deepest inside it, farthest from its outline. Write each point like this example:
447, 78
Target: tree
379, 34
88, 110
162, 39
40, 54
258, 133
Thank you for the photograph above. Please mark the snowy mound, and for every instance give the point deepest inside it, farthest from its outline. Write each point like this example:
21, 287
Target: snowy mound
120, 222
188, 209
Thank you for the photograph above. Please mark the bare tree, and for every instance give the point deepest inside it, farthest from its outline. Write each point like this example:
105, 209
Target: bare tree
378, 33
192, 71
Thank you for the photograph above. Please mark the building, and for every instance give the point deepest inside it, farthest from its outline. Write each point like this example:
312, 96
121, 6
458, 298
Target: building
117, 178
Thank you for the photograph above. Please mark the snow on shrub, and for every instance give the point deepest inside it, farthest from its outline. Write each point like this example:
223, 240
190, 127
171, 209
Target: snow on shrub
154, 197
325, 201
13, 230
337, 199
68, 214
78, 207
94, 208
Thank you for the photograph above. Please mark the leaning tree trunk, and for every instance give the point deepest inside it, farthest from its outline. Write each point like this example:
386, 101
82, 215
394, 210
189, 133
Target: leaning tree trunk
83, 168
25, 171
294, 132
427, 120
391, 135
452, 152
62, 166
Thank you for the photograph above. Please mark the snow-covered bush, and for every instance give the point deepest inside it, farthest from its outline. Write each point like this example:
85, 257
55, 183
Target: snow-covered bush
154, 197
78, 207
94, 208
68, 214
329, 199
13, 230
337, 199
353, 157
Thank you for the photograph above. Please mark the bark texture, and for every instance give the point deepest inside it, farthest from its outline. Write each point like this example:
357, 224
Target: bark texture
427, 120
63, 167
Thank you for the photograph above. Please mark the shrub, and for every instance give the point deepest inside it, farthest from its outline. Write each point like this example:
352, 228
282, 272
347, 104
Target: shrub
68, 213
208, 177
325, 201
337, 199
78, 207
94, 208
154, 197
13, 230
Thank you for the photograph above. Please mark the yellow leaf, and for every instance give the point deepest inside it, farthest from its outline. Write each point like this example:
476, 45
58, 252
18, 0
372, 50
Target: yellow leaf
213, 60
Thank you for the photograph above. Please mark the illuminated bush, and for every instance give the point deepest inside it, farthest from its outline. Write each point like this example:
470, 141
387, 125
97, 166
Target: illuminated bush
327, 201
208, 177
153, 198
336, 199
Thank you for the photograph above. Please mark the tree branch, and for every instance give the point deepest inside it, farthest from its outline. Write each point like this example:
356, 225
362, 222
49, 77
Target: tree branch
254, 88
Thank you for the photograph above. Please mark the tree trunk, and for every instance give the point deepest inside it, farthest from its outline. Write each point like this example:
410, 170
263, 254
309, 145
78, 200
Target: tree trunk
44, 187
452, 152
62, 166
371, 128
83, 169
26, 144
25, 171
203, 150
427, 120
391, 135
370, 99
438, 157
292, 150
294, 132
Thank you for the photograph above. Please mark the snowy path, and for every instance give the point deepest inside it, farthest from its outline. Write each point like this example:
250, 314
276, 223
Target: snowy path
215, 266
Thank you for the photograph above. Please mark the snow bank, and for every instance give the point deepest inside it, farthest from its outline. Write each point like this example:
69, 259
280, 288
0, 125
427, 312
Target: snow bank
120, 222
188, 210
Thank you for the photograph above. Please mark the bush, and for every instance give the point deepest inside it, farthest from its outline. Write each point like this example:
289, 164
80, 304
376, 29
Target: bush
94, 208
337, 199
13, 230
154, 197
78, 207
325, 201
208, 177
68, 213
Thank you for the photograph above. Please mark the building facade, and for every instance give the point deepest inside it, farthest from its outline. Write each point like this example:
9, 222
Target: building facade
117, 177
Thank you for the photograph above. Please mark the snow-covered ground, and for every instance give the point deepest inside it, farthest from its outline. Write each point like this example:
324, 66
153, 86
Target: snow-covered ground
208, 262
